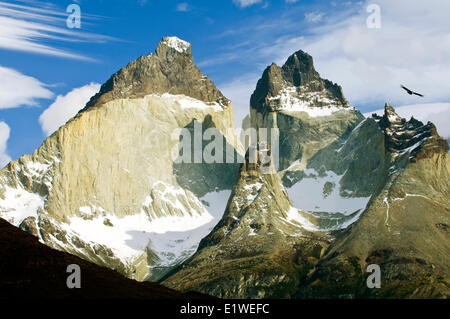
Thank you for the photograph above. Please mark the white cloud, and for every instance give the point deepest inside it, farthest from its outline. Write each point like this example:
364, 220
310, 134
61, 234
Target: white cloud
291, 1
245, 3
183, 7
65, 107
4, 136
411, 48
29, 28
314, 17
438, 113
17, 89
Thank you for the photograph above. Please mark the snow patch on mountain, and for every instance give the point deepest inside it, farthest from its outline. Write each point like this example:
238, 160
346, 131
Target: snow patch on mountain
318, 193
315, 104
185, 102
295, 217
216, 202
173, 238
16, 204
129, 236
177, 44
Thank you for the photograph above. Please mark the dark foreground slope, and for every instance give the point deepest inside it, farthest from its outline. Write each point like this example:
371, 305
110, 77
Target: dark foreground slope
29, 269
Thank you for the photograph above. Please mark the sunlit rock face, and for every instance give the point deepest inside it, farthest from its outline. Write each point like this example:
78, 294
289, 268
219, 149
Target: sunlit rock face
404, 229
253, 251
301, 214
349, 192
325, 145
106, 186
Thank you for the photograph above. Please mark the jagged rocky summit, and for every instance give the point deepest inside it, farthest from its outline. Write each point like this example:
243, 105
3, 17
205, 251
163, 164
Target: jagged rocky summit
170, 70
296, 86
351, 191
339, 192
320, 141
105, 186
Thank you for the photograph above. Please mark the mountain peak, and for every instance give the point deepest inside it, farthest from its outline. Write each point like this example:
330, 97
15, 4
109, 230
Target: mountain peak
170, 70
299, 69
177, 44
409, 137
296, 87
390, 114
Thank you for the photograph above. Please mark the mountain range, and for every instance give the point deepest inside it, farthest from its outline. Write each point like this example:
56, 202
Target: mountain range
301, 214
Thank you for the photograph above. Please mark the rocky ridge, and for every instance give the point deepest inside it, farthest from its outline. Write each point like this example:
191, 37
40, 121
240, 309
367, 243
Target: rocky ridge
262, 244
403, 229
350, 191
368, 191
170, 70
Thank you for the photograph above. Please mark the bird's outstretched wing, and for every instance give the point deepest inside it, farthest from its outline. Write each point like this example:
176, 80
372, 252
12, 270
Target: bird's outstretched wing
406, 89
410, 92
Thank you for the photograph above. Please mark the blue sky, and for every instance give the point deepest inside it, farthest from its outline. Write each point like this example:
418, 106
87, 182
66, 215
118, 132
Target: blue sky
43, 64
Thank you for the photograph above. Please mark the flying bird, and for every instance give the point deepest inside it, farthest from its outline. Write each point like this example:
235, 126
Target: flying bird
410, 92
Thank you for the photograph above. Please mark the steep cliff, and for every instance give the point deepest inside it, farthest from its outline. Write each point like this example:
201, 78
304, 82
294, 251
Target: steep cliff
404, 229
261, 246
361, 191
107, 187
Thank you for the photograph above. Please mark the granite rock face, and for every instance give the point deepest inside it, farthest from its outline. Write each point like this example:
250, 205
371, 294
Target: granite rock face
364, 191
404, 229
295, 81
260, 247
325, 145
298, 216
107, 187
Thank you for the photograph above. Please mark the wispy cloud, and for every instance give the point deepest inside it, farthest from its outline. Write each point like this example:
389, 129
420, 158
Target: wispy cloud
17, 89
28, 27
183, 7
411, 48
314, 17
245, 3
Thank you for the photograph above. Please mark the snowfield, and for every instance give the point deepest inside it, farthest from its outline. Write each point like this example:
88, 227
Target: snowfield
308, 195
315, 104
172, 238
185, 102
